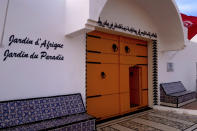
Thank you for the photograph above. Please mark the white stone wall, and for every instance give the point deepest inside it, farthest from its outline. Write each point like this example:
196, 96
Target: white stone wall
129, 13
26, 78
3, 6
184, 66
46, 19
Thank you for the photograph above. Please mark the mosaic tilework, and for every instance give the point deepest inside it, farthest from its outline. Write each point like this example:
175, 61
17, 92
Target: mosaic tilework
47, 124
109, 129
151, 120
155, 72
166, 98
164, 121
137, 126
31, 110
83, 126
174, 97
173, 87
189, 118
186, 97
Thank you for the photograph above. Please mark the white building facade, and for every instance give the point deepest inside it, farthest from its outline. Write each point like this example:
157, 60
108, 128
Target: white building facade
43, 49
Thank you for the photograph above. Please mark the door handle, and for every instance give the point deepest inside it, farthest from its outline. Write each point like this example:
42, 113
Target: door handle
103, 75
114, 47
127, 49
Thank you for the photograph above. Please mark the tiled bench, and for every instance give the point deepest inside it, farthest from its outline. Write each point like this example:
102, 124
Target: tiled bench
59, 113
174, 94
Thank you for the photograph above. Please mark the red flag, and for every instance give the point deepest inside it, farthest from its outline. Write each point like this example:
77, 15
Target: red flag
191, 23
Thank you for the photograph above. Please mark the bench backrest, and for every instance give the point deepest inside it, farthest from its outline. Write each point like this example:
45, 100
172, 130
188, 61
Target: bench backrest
24, 111
173, 87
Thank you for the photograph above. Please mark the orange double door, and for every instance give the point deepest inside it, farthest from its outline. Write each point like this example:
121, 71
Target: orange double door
117, 75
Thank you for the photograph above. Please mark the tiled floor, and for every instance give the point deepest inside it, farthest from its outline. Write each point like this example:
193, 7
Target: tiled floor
152, 120
192, 106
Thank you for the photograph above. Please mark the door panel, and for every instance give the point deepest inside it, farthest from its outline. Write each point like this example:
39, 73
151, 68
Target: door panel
144, 97
125, 102
96, 85
103, 58
103, 45
133, 47
133, 60
127, 49
141, 50
144, 76
111, 87
135, 86
104, 35
103, 106
124, 78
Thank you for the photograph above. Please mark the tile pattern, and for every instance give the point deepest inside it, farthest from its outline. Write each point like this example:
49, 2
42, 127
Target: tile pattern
57, 122
189, 118
186, 97
155, 72
164, 121
166, 98
109, 129
174, 97
47, 112
173, 87
137, 126
83, 126
152, 120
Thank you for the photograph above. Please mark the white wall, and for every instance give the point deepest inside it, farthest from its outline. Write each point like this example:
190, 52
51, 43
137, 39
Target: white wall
128, 13
76, 14
26, 78
184, 66
3, 6
165, 15
194, 39
96, 7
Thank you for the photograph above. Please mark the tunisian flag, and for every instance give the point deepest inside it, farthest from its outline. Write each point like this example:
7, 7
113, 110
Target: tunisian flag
191, 23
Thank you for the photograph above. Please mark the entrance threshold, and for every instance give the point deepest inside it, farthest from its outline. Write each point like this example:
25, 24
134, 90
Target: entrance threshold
120, 116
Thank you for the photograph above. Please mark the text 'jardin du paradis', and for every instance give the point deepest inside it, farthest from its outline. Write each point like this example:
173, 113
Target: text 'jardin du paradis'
43, 44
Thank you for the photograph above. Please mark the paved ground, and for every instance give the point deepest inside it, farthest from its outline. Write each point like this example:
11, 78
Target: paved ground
152, 120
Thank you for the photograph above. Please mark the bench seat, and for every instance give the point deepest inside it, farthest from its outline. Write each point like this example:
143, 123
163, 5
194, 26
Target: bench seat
174, 94
66, 112
56, 123
178, 94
